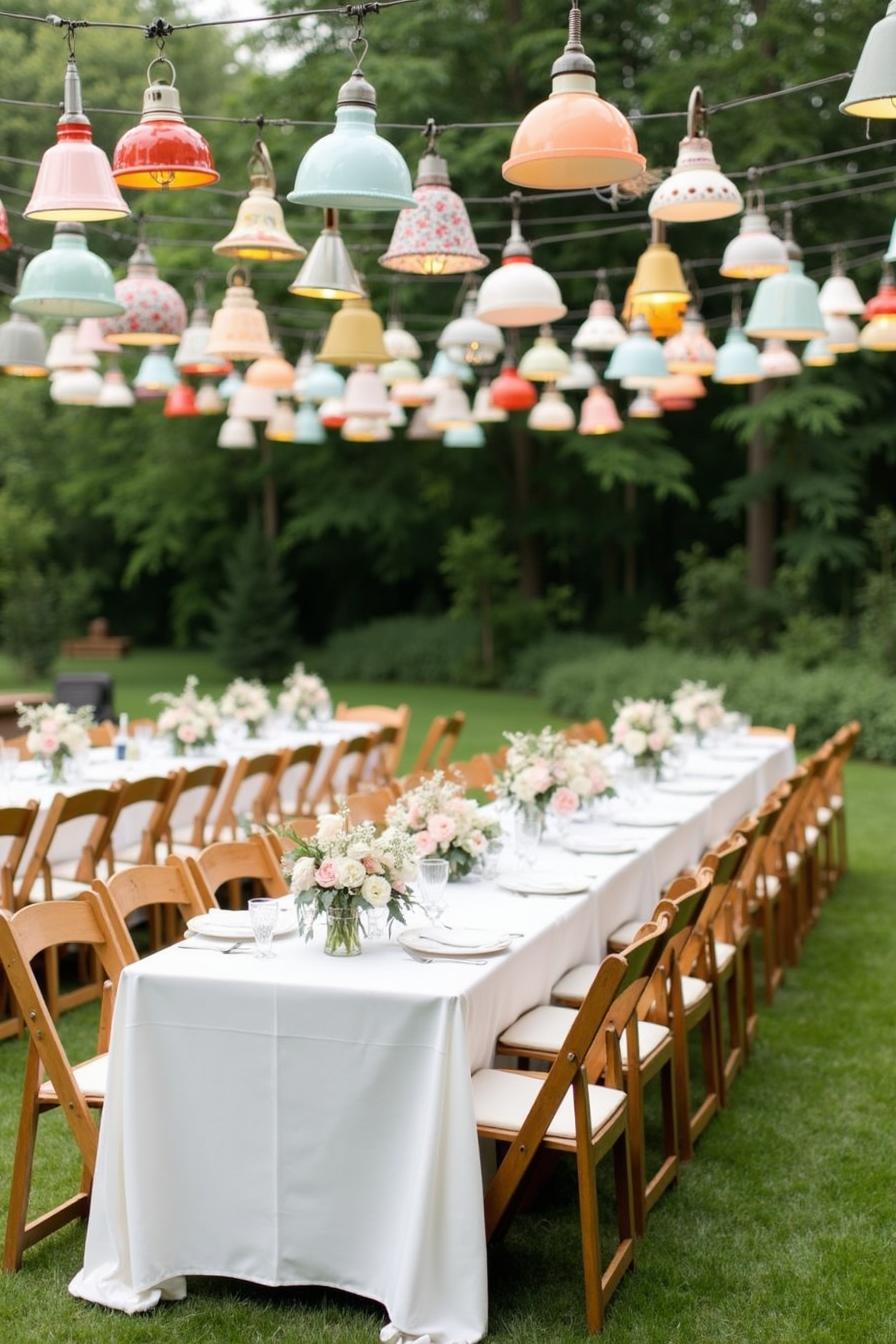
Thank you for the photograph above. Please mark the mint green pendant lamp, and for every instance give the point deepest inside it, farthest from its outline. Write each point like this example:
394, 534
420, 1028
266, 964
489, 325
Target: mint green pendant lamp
737, 360
890, 254
872, 92
786, 305
465, 436
68, 280
639, 357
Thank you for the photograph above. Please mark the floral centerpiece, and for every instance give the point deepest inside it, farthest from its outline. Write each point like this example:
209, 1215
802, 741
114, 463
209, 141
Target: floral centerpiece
343, 870
583, 775
644, 730
530, 776
699, 708
444, 823
304, 697
188, 719
247, 702
56, 733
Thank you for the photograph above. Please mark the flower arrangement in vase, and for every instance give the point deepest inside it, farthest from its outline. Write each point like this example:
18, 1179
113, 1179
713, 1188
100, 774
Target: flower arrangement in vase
246, 702
343, 870
582, 774
445, 824
645, 731
189, 720
56, 733
304, 697
699, 708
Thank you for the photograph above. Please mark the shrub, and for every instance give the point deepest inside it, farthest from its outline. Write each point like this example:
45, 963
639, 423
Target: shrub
254, 627
534, 659
402, 648
811, 641
33, 621
717, 608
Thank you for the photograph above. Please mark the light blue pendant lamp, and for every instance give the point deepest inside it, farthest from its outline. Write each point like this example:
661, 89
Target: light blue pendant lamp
818, 354
639, 359
322, 382
465, 436
308, 428
786, 305
156, 373
354, 168
68, 280
443, 366
232, 383
737, 360
890, 254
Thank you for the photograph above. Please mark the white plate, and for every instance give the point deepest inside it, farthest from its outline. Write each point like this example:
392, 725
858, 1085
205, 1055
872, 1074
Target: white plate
586, 846
648, 820
530, 884
688, 790
433, 941
234, 924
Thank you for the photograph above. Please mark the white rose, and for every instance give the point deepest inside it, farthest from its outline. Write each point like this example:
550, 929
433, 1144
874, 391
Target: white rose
303, 875
376, 890
329, 826
351, 872
635, 742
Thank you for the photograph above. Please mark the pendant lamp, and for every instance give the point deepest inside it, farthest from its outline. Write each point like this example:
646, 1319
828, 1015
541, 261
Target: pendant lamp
410, 394
880, 316
360, 429
236, 433
818, 354
691, 351
519, 293
5, 235
679, 387
259, 233
192, 355
601, 331
65, 353
398, 418
756, 252
574, 139
156, 373
115, 394
354, 336
180, 403
23, 348
239, 327
68, 280
659, 280
696, 189
162, 153
510, 392
890, 254
581, 376
777, 360
366, 395
74, 180
400, 343
399, 371
544, 362
354, 168
76, 387
437, 237
465, 436
332, 413
273, 371
645, 407
673, 404
552, 413
872, 92
304, 365
229, 385
308, 429
469, 340
485, 412
91, 339
208, 399
323, 381
451, 408
599, 414
639, 360
443, 366
839, 293
786, 305
281, 428
154, 312
253, 403
737, 360
327, 271
842, 334
420, 430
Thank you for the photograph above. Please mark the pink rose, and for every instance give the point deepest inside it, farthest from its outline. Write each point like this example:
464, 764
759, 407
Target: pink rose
537, 778
415, 816
425, 844
48, 743
371, 864
458, 806
565, 802
656, 741
326, 875
598, 780
442, 828
187, 733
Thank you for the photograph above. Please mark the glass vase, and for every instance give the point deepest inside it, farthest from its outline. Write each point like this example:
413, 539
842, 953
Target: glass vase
343, 933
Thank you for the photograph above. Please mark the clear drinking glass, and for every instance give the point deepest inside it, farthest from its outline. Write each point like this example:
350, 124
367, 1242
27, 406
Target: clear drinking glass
528, 828
433, 883
9, 764
263, 918
490, 860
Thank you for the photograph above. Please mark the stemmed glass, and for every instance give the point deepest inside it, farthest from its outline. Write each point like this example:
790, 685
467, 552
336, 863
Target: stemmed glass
528, 827
263, 918
434, 882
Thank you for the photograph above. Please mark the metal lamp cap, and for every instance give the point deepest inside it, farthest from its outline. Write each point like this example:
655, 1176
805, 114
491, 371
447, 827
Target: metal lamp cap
357, 91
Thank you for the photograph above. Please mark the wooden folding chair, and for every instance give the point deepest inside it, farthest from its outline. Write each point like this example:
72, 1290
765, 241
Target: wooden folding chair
378, 770
476, 773
44, 929
786, 861
250, 793
398, 718
755, 890
197, 791
159, 794
291, 797
16, 824
440, 741
21, 746
759, 730
564, 1111
371, 806
153, 890
592, 731
831, 813
230, 863
342, 774
51, 878
102, 734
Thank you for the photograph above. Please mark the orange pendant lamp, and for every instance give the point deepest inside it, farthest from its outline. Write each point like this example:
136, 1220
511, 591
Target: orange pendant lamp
574, 139
162, 153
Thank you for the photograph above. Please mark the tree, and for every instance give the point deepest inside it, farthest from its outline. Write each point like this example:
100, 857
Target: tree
480, 574
255, 620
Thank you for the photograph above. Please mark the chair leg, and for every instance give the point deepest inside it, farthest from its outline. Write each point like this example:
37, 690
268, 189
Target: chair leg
638, 1146
751, 1017
682, 1079
733, 1062
623, 1256
590, 1232
719, 1042
23, 1163
842, 863
709, 1047
668, 1168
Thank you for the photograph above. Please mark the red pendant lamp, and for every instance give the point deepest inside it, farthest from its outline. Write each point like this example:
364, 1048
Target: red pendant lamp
180, 402
510, 392
162, 153
5, 235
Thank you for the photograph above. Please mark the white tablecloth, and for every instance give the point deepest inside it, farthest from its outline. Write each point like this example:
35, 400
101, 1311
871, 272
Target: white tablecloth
308, 1120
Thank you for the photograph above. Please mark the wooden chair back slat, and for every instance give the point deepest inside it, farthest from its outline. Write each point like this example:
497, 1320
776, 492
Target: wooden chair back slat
142, 888
204, 779
102, 804
256, 858
398, 718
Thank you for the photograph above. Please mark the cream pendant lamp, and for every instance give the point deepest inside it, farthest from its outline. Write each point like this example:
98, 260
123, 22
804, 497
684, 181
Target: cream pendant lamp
399, 371
239, 327
208, 399
273, 371
421, 430
485, 412
399, 342
398, 416
552, 413
191, 356
839, 294
236, 432
467, 339
437, 237
451, 409
872, 92
818, 354
115, 395
259, 233
645, 407
601, 331
519, 293
281, 428
786, 305
581, 376
76, 387
842, 334
574, 139
544, 362
756, 252
65, 352
777, 360
696, 189
354, 336
253, 403
361, 429
327, 272
366, 395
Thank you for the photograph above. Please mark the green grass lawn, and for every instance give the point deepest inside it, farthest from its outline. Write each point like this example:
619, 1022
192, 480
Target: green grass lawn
780, 1231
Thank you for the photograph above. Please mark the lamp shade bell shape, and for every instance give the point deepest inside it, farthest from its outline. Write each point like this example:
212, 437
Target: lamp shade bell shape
398, 416
818, 354
469, 340
354, 168
156, 372
599, 414
872, 92
332, 413
410, 393
737, 360
552, 413
544, 362
691, 351
443, 366
777, 360
76, 387
437, 237
574, 139
162, 153
786, 305
601, 331
23, 348
755, 252
840, 295
236, 432
259, 233
581, 376
239, 327
842, 334
451, 408
180, 403
639, 359
880, 315
421, 430
154, 312
281, 428
68, 280
510, 392
230, 384
354, 336
74, 180
659, 278
322, 382
65, 353
304, 365
361, 429
366, 395
192, 356
465, 436
115, 394
679, 387
92, 338
273, 371
253, 403
401, 343
208, 399
519, 293
645, 406
696, 189
485, 412
399, 371
327, 271
308, 429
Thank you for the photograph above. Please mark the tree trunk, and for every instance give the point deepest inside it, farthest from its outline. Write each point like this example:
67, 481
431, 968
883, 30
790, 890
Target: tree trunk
269, 512
531, 577
630, 561
761, 512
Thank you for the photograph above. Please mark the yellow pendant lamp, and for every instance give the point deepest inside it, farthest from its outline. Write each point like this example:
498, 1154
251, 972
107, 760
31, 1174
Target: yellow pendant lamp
659, 290
354, 336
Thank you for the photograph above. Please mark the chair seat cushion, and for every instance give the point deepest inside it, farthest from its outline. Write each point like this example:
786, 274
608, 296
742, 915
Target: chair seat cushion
793, 861
503, 1100
625, 934
836, 801
812, 834
769, 885
575, 984
693, 990
64, 889
724, 955
650, 1037
90, 1077
542, 1029
824, 816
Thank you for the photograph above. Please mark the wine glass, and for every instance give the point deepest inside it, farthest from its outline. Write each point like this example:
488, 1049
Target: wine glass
528, 827
263, 918
434, 882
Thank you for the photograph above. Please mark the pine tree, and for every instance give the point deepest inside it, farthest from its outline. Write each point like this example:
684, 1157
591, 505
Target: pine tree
255, 626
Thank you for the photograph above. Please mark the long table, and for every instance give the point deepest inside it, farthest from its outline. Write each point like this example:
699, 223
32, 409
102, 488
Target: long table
309, 1120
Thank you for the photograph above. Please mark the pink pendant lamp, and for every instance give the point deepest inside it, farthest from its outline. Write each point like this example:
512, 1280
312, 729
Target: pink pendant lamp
436, 238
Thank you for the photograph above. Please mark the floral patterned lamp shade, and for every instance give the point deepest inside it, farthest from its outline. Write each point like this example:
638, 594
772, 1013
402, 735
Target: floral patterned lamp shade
154, 312
436, 238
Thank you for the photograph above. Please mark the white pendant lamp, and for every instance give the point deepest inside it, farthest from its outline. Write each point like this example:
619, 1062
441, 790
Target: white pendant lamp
756, 252
552, 413
601, 331
115, 395
777, 360
208, 399
645, 407
76, 387
696, 189
365, 395
236, 432
252, 403
581, 376
467, 339
691, 351
839, 294
485, 412
451, 409
544, 362
400, 343
519, 293
818, 354
842, 334
282, 425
